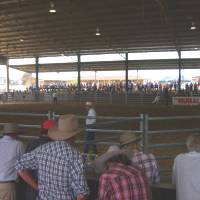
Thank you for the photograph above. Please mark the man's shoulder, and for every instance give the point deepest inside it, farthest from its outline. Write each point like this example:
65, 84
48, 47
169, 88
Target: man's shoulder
187, 155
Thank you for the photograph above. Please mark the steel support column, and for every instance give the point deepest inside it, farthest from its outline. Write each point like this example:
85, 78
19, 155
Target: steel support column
37, 73
179, 70
7, 77
126, 68
79, 73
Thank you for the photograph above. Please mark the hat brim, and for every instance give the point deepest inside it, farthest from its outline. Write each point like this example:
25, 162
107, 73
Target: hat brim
55, 134
101, 160
131, 141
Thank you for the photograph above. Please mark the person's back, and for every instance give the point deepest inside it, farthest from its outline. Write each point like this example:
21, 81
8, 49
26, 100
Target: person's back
124, 182
186, 174
58, 164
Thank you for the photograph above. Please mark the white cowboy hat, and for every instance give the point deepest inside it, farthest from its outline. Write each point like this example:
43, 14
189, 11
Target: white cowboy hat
128, 138
101, 160
11, 128
67, 127
88, 103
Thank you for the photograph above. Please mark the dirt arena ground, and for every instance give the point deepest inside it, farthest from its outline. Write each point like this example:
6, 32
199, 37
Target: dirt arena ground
117, 111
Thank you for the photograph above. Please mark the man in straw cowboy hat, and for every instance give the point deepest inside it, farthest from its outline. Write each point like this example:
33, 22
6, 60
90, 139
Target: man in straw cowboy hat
59, 164
120, 180
131, 143
10, 150
90, 123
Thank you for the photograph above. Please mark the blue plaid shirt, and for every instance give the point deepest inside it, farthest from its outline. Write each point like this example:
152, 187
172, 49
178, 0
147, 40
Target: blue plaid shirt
60, 170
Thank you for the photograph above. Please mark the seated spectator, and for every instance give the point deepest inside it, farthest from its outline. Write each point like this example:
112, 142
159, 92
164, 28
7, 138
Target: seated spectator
59, 164
185, 173
10, 150
121, 180
131, 143
28, 192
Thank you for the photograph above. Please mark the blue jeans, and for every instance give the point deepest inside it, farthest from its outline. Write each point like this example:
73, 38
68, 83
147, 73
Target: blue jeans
89, 138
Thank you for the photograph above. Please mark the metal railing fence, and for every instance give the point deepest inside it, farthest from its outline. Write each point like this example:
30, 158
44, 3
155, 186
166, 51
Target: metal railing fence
113, 134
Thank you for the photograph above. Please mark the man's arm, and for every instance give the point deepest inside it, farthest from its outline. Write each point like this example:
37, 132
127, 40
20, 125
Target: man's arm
26, 176
78, 180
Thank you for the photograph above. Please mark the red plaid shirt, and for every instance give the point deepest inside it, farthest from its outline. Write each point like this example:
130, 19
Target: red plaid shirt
122, 182
149, 164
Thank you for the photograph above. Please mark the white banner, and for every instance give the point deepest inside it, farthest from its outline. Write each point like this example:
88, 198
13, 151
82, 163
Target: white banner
186, 101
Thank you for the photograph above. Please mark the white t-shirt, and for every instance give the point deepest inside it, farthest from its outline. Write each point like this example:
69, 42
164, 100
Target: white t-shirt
92, 114
186, 176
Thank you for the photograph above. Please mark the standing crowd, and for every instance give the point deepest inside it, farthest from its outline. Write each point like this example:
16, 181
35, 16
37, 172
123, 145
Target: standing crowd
51, 168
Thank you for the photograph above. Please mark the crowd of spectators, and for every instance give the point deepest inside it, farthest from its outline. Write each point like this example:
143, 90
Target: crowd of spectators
116, 87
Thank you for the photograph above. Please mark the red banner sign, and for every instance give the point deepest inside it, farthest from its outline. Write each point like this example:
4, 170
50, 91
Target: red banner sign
186, 101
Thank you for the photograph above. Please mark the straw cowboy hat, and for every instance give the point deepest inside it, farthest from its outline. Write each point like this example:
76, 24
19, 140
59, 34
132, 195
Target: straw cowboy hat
88, 103
67, 127
113, 150
128, 138
11, 128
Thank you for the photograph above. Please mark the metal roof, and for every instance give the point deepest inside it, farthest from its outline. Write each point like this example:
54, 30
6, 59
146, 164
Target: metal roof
27, 28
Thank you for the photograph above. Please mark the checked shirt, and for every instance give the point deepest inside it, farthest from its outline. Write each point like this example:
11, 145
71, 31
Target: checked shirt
60, 170
149, 164
122, 182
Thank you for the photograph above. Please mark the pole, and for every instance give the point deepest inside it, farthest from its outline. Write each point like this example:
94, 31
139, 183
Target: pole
7, 76
126, 68
179, 70
37, 73
79, 73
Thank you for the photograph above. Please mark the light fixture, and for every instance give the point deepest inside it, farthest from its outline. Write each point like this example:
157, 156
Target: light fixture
21, 40
97, 32
52, 7
195, 48
193, 26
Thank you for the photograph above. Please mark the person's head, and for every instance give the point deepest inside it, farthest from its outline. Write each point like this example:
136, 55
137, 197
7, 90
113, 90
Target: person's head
88, 105
193, 143
67, 128
113, 155
11, 129
47, 124
129, 141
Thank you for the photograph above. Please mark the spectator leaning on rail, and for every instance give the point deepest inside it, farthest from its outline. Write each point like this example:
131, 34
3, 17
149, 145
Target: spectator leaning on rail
131, 143
90, 123
10, 151
28, 192
121, 180
59, 164
186, 173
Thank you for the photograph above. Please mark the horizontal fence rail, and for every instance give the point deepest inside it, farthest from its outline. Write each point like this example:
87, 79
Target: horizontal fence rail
113, 134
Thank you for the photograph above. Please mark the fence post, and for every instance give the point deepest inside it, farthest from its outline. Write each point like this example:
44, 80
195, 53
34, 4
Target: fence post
142, 129
49, 115
53, 115
145, 134
126, 97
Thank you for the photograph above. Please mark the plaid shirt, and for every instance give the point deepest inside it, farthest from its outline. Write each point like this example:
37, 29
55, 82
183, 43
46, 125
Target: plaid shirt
122, 182
149, 164
60, 170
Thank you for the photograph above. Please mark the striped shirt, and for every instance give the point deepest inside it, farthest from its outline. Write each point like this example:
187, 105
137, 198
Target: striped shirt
149, 164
